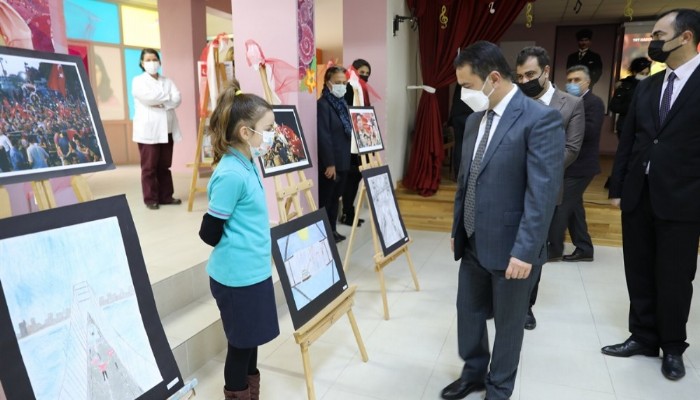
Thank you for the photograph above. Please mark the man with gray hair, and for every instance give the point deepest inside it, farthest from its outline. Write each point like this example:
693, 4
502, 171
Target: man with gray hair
570, 214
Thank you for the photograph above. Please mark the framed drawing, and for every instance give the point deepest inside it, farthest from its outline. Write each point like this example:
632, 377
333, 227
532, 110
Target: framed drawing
49, 122
77, 315
308, 265
289, 152
385, 210
366, 130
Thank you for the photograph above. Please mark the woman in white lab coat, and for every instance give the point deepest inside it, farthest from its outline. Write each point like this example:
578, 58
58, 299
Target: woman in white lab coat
155, 129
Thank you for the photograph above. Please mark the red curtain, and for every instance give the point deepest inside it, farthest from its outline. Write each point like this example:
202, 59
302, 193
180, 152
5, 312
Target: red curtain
443, 27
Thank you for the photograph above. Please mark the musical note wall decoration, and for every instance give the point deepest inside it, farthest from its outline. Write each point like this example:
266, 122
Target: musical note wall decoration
629, 12
578, 6
443, 17
528, 15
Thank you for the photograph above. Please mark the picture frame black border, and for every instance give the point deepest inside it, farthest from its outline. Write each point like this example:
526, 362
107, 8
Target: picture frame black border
303, 315
372, 172
355, 134
300, 131
43, 174
12, 368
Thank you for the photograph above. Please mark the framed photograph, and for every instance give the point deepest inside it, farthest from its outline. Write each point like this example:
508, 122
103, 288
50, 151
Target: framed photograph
365, 129
49, 122
308, 265
77, 315
289, 152
385, 210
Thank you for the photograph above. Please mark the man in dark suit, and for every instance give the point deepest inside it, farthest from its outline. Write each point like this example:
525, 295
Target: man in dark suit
656, 183
507, 188
532, 74
577, 176
585, 56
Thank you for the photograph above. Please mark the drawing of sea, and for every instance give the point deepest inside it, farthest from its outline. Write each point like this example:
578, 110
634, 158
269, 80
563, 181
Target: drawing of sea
309, 263
75, 314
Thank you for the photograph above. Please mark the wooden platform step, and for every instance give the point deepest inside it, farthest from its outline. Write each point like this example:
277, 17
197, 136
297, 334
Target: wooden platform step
435, 213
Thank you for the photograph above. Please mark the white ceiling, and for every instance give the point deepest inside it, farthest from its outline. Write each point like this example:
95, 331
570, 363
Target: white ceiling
598, 11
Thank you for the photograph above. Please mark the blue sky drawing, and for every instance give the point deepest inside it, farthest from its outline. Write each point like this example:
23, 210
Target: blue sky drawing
38, 272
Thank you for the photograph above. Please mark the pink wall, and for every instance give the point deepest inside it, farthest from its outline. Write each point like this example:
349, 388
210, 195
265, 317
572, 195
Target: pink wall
182, 38
365, 36
273, 25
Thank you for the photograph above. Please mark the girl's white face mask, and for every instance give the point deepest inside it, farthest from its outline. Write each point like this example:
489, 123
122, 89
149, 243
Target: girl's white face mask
265, 145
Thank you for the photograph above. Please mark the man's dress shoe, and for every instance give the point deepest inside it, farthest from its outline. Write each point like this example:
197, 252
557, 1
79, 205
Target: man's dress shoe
530, 321
577, 255
460, 389
672, 367
630, 348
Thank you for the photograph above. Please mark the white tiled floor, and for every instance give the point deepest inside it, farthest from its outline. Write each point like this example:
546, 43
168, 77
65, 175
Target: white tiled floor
581, 307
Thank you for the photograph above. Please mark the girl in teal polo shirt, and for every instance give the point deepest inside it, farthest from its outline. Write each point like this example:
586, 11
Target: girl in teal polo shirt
236, 224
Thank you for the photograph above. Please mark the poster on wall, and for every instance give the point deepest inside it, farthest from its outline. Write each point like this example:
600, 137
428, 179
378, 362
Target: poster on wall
49, 122
385, 210
78, 319
26, 24
288, 151
365, 129
308, 265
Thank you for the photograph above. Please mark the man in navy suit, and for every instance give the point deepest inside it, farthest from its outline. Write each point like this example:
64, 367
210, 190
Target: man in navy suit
656, 183
509, 180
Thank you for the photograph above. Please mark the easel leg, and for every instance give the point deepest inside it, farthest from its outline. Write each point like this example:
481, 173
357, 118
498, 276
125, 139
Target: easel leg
361, 193
413, 270
382, 287
307, 371
43, 194
81, 188
5, 208
358, 338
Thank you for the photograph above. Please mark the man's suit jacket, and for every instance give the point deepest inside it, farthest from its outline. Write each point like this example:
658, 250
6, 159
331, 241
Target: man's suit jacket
333, 141
517, 186
588, 161
572, 113
591, 60
672, 148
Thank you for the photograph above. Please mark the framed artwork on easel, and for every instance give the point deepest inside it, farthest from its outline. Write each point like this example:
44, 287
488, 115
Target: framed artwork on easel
77, 315
366, 130
288, 152
308, 265
385, 210
49, 122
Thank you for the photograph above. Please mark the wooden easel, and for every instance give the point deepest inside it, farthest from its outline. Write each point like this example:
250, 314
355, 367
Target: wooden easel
319, 324
288, 196
220, 71
373, 160
43, 192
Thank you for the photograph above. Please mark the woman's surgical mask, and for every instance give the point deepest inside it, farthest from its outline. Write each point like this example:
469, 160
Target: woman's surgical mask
268, 138
338, 90
151, 67
477, 100
641, 77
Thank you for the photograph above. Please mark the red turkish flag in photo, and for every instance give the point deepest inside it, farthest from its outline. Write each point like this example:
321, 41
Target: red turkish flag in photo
57, 79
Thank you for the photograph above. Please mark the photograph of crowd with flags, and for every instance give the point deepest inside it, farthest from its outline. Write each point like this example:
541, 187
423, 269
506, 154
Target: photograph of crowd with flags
288, 151
45, 118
